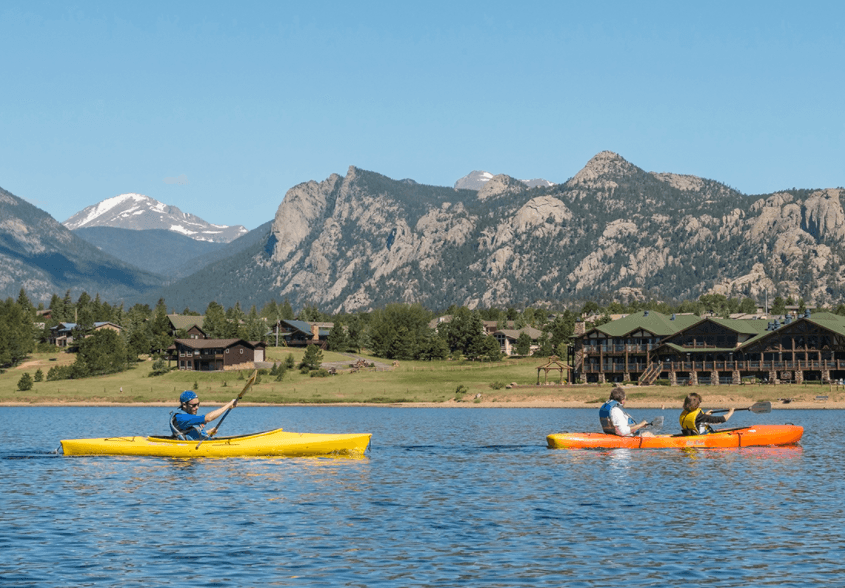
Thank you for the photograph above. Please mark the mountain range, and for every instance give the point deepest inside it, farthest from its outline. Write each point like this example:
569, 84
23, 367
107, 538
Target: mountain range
613, 231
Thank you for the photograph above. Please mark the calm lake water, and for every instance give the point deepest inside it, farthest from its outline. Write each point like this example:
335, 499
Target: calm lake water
445, 497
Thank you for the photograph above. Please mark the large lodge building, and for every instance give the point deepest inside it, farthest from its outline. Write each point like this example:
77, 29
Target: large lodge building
688, 349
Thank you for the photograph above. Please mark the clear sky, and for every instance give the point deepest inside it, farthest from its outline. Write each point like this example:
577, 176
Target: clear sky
220, 107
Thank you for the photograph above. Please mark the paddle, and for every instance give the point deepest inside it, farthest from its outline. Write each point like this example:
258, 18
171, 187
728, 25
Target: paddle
656, 423
764, 407
249, 384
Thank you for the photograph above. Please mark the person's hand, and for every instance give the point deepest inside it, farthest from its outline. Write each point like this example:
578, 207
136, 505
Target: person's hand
730, 414
709, 411
234, 402
212, 432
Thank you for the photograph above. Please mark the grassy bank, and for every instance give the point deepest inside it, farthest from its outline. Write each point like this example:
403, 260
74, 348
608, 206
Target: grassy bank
410, 382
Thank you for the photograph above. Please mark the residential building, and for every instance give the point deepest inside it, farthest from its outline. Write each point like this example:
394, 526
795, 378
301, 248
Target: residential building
689, 349
210, 355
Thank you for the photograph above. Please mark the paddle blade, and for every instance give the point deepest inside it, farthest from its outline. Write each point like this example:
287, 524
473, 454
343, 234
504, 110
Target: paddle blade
657, 423
761, 407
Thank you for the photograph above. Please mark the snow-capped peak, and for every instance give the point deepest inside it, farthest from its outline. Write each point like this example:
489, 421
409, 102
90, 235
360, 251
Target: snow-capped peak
139, 212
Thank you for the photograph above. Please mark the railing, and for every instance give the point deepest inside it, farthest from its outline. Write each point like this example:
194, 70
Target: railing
718, 366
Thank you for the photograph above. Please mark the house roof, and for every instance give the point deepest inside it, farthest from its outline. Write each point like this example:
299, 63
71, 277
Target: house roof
651, 321
515, 333
185, 321
216, 343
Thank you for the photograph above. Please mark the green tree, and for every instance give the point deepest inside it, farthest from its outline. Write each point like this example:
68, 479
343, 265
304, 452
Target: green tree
25, 383
748, 306
216, 325
386, 324
523, 344
312, 359
102, 352
253, 328
465, 332
338, 341
778, 305
160, 338
16, 333
491, 349
39, 375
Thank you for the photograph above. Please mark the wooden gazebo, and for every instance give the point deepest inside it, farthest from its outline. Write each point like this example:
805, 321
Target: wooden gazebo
554, 365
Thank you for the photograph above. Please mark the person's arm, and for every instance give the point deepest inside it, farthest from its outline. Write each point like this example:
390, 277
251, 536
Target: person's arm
638, 426
219, 412
707, 417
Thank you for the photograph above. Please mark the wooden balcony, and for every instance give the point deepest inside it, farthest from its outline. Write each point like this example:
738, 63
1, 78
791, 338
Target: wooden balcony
718, 366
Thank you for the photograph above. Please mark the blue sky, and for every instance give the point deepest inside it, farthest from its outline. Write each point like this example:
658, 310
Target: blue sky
245, 100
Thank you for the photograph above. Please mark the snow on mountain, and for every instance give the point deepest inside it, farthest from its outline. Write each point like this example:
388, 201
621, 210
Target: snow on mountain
139, 212
476, 180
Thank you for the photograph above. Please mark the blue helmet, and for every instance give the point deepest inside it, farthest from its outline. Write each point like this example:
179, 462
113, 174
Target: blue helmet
187, 396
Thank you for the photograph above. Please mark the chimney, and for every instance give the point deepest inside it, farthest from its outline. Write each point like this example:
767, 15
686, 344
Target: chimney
315, 332
580, 328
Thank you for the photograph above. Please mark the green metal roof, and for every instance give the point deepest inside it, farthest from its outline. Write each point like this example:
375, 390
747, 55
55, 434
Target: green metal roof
653, 322
183, 321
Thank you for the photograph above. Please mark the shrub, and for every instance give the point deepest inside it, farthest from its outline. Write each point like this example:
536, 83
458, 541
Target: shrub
497, 385
461, 390
289, 361
263, 372
25, 383
281, 371
304, 369
39, 375
159, 367
661, 382
196, 385
225, 384
320, 373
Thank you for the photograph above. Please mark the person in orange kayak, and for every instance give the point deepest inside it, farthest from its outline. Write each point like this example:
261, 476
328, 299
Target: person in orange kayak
695, 421
190, 425
615, 421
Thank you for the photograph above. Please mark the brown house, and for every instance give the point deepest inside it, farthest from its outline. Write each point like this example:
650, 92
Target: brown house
210, 355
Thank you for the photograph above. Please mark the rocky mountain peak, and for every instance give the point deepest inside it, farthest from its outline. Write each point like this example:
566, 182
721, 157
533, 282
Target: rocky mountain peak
603, 167
139, 212
499, 186
474, 180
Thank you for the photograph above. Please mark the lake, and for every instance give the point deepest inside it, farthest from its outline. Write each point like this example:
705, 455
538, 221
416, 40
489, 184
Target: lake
445, 497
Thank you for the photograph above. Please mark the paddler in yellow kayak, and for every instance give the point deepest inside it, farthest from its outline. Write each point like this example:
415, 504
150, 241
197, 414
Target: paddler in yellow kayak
615, 421
190, 425
695, 421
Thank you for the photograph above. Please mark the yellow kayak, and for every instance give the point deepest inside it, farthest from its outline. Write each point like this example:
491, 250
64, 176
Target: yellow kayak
267, 444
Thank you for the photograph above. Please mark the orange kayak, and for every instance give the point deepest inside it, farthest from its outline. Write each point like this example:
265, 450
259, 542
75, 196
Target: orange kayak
754, 436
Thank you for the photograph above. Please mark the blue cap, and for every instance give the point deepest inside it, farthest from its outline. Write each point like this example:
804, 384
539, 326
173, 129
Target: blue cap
187, 396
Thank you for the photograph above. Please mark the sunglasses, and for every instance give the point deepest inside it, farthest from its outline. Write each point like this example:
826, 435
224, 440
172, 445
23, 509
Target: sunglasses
193, 404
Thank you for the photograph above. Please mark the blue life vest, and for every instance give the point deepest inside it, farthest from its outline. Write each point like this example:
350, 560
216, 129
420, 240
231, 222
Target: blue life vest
604, 417
196, 433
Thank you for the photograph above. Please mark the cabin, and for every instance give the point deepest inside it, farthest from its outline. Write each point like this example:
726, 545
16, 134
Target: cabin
214, 355
508, 338
192, 325
293, 333
62, 335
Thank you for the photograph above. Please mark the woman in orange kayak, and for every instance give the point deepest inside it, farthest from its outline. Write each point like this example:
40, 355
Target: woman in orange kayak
695, 421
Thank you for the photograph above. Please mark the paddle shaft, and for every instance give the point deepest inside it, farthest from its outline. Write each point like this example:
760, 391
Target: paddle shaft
758, 408
249, 384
